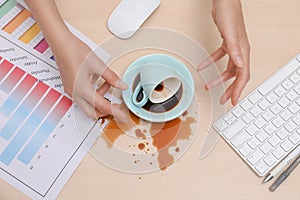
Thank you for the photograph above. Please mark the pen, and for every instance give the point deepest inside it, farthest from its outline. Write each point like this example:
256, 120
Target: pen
285, 174
283, 164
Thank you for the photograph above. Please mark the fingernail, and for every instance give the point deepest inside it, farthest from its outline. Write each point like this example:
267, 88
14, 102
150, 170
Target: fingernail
121, 84
240, 61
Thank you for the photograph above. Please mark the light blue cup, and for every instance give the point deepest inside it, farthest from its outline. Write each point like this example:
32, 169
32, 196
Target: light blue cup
158, 83
182, 72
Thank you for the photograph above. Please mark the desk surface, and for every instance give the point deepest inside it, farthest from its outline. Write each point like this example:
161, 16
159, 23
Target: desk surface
273, 28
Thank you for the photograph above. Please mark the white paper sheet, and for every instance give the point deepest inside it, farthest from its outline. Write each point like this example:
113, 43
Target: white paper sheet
36, 164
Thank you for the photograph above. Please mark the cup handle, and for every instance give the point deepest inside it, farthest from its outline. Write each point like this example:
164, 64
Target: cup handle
135, 94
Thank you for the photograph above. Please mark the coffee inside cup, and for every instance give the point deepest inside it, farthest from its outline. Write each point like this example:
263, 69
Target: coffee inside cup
162, 107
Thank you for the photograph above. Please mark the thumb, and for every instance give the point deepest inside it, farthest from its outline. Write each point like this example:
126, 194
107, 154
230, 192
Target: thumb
235, 54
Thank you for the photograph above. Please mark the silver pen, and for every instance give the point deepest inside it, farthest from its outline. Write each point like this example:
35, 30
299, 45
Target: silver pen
285, 174
288, 160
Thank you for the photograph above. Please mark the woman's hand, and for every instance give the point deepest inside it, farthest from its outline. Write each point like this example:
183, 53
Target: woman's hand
78, 65
228, 17
80, 68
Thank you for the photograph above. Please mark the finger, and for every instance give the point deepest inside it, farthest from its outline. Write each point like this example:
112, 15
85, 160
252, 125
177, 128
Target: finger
214, 57
225, 76
227, 94
100, 103
235, 54
103, 88
113, 79
243, 76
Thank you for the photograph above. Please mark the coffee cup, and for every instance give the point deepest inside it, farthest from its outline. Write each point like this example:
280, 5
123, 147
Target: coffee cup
158, 83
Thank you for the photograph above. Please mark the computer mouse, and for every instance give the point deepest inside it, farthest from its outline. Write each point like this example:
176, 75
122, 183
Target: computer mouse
129, 15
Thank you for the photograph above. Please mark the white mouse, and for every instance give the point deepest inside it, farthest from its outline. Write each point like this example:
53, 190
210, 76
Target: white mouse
129, 15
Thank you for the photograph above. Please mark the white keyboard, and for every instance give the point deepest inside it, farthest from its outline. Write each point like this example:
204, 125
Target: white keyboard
265, 126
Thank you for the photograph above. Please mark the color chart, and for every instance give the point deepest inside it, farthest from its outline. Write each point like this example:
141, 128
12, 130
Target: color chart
19, 22
40, 142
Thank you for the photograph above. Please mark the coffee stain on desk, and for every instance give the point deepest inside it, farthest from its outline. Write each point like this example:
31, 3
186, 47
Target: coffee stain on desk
169, 136
115, 129
163, 136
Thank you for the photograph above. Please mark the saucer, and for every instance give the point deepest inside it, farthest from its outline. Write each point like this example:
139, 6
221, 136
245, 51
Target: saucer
182, 71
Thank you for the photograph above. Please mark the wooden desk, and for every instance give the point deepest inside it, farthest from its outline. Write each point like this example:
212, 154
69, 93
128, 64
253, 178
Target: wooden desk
273, 28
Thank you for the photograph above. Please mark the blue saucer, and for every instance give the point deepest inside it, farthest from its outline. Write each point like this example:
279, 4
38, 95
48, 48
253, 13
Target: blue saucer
187, 89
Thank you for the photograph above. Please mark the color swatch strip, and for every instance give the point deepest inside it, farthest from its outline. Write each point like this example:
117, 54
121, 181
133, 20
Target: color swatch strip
17, 21
15, 98
6, 7
5, 67
12, 80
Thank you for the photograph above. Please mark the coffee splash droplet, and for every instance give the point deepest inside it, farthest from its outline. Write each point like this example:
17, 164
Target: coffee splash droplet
141, 146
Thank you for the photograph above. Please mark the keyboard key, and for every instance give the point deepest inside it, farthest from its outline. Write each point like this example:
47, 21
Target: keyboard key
287, 145
261, 136
282, 133
290, 127
295, 138
272, 97
294, 108
276, 108
274, 140
255, 97
298, 101
233, 130
284, 102
248, 118
270, 129
261, 167
237, 111
260, 122
286, 115
297, 89
264, 104
266, 148
240, 139
297, 120
256, 111
278, 153
287, 84
292, 95
252, 129
270, 160
246, 104
278, 121
253, 143
245, 150
295, 78
230, 118
268, 115
221, 125
279, 91
255, 157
